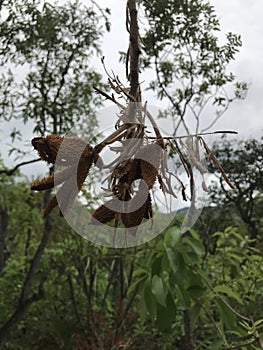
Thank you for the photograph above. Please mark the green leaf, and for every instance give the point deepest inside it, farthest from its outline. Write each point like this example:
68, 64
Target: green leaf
172, 236
142, 309
166, 315
139, 272
228, 318
258, 322
171, 258
197, 246
228, 291
181, 274
182, 298
150, 300
194, 313
157, 266
195, 291
136, 283
216, 345
158, 290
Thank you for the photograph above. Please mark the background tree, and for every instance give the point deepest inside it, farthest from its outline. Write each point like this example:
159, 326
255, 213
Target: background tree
243, 162
52, 46
191, 66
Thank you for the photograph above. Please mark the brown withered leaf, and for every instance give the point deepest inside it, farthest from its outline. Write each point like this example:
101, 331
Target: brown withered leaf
73, 149
150, 160
51, 180
133, 172
149, 173
48, 147
127, 171
149, 211
71, 187
103, 214
62, 150
133, 218
77, 155
43, 184
213, 158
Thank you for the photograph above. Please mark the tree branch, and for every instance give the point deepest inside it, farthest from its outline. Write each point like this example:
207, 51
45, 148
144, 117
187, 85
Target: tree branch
134, 50
10, 172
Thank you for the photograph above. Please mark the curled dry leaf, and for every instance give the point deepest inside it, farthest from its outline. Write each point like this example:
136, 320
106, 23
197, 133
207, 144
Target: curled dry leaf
103, 214
194, 154
47, 147
133, 219
50, 181
212, 157
151, 157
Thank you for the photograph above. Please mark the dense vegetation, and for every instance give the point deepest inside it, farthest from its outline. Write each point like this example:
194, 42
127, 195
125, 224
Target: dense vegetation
198, 290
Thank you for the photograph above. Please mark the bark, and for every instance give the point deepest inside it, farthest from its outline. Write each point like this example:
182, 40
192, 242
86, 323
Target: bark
134, 49
187, 340
3, 227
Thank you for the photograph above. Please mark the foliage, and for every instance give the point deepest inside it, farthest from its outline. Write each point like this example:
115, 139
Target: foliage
243, 162
167, 292
49, 47
191, 299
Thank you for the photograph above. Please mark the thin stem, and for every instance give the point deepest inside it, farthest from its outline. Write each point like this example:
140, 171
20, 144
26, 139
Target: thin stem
10, 172
134, 49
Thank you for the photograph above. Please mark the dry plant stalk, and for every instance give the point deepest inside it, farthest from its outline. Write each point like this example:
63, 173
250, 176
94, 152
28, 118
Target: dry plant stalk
144, 160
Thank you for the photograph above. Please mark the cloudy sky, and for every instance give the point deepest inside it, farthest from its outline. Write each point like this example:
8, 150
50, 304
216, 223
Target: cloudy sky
242, 17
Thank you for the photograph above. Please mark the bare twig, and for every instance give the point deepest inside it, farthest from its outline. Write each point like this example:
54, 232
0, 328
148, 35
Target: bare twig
197, 135
212, 157
10, 172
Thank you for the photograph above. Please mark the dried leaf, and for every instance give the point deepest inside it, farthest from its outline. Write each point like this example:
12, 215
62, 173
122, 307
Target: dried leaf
47, 147
68, 150
51, 205
149, 173
103, 214
134, 218
43, 184
194, 155
212, 157
151, 157
51, 180
71, 187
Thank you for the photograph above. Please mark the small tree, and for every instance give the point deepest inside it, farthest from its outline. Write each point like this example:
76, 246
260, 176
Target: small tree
243, 162
49, 46
191, 67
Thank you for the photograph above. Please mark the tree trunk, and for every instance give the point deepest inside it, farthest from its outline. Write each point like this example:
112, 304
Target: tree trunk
3, 227
25, 298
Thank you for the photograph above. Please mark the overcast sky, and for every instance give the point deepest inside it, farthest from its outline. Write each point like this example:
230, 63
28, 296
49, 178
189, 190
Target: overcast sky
242, 17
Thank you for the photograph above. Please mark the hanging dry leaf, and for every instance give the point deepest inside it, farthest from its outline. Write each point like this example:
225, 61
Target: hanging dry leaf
73, 152
103, 214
